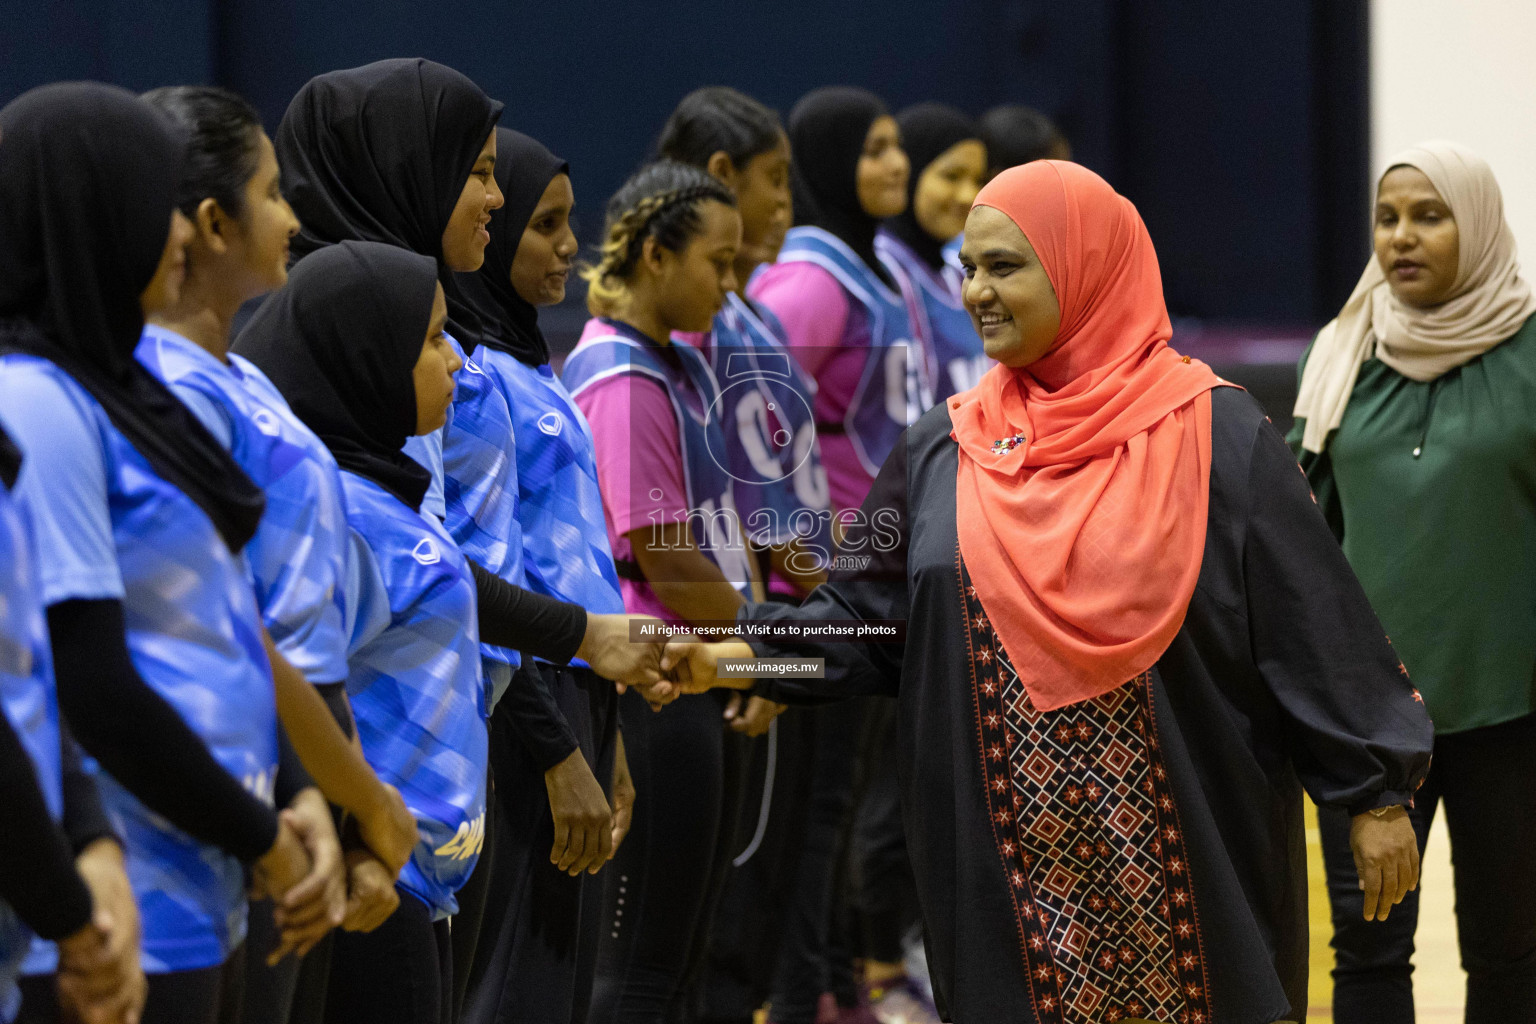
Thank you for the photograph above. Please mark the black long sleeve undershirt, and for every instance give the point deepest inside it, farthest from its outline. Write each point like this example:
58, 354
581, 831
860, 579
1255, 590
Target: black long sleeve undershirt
37, 864
538, 626
520, 620
142, 741
85, 819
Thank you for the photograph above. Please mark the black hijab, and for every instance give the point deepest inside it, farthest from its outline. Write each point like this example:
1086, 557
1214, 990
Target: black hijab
928, 130
360, 399
89, 174
380, 153
509, 322
827, 129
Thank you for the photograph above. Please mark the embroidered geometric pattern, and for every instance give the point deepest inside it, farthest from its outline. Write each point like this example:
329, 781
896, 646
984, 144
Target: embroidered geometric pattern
1086, 827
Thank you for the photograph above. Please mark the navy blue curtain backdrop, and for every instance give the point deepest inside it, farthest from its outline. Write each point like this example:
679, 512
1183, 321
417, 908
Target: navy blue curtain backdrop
1240, 130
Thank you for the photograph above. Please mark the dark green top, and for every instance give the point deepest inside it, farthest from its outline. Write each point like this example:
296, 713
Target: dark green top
1431, 488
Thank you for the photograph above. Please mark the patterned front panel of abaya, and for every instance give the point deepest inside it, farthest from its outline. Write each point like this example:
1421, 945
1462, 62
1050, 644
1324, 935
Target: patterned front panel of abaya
1088, 832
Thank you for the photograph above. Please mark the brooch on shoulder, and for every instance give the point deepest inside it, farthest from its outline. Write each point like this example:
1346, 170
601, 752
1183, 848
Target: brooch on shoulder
1003, 446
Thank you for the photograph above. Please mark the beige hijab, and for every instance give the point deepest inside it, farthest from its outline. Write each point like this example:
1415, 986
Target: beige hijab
1489, 301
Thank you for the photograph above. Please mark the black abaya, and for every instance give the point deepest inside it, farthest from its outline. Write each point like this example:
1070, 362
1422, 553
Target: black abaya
1142, 851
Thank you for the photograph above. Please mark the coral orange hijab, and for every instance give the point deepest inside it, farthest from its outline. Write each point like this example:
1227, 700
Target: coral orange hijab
1084, 540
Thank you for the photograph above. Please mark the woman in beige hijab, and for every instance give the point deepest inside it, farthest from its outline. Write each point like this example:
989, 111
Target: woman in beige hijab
1416, 424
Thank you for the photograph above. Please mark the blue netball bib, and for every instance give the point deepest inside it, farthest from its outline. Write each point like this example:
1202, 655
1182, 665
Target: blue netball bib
712, 515
766, 420
953, 359
415, 683
29, 702
298, 553
889, 393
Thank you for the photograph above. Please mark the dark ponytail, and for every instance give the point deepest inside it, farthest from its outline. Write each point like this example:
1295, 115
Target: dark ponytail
223, 146
718, 119
659, 201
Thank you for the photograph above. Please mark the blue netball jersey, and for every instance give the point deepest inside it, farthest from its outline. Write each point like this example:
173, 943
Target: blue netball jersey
889, 394
475, 490
565, 544
108, 528
609, 349
298, 554
414, 681
29, 702
765, 414
953, 359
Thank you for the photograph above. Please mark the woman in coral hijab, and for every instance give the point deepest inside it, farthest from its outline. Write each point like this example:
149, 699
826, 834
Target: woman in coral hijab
1131, 641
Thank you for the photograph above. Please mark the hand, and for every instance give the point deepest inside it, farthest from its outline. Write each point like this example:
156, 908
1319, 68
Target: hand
389, 829
318, 903
1387, 857
691, 664
371, 895
753, 715
623, 796
283, 866
100, 978
583, 822
613, 655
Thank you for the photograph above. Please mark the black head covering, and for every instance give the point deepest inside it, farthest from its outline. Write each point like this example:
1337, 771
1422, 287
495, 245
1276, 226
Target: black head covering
10, 460
89, 174
524, 169
360, 399
380, 153
827, 129
928, 130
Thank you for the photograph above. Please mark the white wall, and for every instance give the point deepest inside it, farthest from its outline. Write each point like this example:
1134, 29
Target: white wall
1463, 70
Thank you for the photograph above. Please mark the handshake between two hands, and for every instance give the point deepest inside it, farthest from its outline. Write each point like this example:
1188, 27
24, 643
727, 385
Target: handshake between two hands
664, 670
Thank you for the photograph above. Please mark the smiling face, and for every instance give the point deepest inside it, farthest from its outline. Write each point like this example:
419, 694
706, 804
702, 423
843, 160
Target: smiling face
883, 170
164, 289
435, 367
947, 188
465, 237
544, 255
691, 285
1417, 243
1007, 291
250, 252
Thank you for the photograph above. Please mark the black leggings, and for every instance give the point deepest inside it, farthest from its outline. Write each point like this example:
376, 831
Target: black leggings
211, 995
659, 884
1487, 781
399, 973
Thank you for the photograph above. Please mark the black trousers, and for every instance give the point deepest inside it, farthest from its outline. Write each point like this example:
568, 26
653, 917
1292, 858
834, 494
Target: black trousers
1486, 780
399, 973
210, 995
749, 925
537, 950
814, 956
883, 893
660, 886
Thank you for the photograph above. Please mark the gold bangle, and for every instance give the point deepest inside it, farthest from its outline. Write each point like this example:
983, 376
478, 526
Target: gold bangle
1381, 812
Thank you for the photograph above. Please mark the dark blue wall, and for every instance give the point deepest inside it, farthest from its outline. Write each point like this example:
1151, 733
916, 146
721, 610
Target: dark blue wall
1238, 129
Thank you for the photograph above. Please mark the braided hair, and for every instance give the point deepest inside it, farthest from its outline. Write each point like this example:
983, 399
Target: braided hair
659, 201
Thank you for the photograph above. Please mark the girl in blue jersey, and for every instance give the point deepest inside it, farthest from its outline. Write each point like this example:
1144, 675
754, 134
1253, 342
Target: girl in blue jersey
230, 192
949, 166
140, 516
535, 961
846, 321
414, 674
88, 910
667, 264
